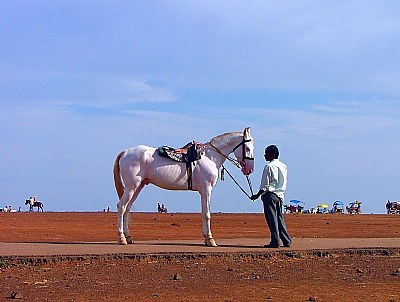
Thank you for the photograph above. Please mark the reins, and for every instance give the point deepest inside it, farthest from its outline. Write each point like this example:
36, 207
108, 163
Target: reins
234, 180
237, 164
232, 160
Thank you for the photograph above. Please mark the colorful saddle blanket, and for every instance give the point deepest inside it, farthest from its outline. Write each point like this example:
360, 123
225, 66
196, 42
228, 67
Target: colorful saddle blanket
188, 154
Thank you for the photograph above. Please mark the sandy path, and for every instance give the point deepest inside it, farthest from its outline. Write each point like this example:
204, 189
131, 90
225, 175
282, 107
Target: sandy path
188, 246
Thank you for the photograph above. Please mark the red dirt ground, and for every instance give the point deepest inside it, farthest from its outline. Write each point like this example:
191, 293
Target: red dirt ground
335, 275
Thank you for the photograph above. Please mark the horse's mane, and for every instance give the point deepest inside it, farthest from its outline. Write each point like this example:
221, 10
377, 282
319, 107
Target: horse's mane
222, 138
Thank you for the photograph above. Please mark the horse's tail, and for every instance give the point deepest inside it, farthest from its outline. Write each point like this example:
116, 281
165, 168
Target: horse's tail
119, 186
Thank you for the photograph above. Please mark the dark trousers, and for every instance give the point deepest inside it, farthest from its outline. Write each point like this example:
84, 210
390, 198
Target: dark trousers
274, 217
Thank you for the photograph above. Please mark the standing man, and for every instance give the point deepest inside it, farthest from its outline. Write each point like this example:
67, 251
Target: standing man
272, 189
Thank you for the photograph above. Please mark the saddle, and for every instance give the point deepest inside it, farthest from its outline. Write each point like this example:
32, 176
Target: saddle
188, 154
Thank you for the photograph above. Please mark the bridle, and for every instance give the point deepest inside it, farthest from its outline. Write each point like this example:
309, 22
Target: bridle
243, 144
236, 163
231, 159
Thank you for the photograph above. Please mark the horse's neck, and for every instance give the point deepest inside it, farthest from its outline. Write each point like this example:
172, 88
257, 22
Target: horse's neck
225, 145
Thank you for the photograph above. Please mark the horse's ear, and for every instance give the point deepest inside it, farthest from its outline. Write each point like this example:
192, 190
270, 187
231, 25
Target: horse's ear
246, 132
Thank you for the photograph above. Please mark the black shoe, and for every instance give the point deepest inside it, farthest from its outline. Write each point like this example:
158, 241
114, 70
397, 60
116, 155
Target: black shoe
271, 246
286, 245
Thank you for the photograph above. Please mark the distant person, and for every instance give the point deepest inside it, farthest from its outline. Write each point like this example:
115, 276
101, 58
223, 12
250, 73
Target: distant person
388, 206
272, 189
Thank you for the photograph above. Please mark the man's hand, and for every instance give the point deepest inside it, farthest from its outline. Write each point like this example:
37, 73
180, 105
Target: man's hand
255, 196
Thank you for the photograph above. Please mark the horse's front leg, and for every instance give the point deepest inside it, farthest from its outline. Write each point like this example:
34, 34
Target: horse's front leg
206, 218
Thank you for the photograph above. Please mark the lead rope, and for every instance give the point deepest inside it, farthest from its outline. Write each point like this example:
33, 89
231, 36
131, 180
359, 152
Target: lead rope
249, 183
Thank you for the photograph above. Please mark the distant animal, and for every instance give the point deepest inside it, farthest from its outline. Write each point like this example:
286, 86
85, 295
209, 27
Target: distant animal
393, 207
161, 209
34, 204
354, 208
142, 165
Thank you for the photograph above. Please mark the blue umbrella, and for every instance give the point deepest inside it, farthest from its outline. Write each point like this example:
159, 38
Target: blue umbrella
295, 201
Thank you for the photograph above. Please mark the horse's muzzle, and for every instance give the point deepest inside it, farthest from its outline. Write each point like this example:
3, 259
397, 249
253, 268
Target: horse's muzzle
247, 169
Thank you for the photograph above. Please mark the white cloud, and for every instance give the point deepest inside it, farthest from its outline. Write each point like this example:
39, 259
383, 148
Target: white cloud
142, 91
336, 120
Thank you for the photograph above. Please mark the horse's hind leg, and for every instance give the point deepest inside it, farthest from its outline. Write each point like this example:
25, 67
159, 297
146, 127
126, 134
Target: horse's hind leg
127, 215
122, 205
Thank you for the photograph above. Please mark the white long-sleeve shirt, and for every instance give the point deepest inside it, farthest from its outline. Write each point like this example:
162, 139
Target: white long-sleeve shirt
274, 178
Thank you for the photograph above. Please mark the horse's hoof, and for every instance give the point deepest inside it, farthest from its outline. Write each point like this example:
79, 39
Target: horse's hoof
129, 240
210, 242
122, 240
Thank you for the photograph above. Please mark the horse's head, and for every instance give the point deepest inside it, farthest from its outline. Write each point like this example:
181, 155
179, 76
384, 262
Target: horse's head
244, 152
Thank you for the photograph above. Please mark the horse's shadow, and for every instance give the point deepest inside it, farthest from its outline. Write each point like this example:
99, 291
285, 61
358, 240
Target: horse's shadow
144, 243
200, 245
70, 242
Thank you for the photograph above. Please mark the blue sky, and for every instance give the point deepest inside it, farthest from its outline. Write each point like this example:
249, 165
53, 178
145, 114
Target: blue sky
82, 80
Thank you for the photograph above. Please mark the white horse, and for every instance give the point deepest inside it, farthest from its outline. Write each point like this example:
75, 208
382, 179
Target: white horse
138, 166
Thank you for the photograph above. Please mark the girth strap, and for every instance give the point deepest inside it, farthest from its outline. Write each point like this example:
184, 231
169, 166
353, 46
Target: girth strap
189, 173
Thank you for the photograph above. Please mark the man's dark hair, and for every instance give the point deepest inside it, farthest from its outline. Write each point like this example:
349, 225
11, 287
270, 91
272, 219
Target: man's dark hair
273, 150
